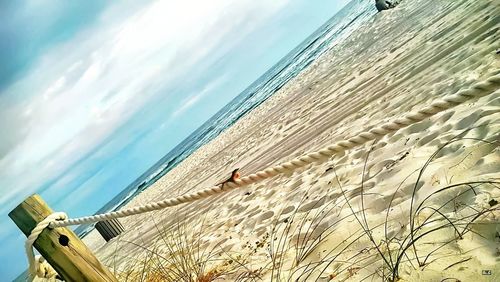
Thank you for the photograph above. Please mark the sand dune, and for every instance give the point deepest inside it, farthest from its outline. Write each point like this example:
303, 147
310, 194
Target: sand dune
400, 61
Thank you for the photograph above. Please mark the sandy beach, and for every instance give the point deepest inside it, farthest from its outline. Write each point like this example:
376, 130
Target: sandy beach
312, 225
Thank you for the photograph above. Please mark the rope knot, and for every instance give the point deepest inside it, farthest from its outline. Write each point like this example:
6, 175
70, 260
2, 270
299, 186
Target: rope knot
43, 268
37, 265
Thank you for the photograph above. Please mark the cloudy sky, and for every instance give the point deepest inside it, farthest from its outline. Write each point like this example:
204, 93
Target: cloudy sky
92, 93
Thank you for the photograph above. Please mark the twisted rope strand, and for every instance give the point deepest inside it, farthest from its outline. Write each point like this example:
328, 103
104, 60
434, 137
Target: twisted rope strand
37, 265
476, 90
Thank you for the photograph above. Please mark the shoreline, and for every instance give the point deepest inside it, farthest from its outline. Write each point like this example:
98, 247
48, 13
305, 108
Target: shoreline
341, 93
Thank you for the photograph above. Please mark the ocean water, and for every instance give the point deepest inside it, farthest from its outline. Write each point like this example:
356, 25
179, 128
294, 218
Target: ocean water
326, 37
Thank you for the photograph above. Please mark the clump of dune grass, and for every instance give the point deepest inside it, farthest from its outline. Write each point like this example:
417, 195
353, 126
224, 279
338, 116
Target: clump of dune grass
300, 245
297, 238
454, 214
294, 238
177, 255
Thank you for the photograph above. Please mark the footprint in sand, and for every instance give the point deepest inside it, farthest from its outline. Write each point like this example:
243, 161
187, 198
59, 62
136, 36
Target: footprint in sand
429, 137
374, 169
240, 210
287, 210
265, 216
468, 121
494, 101
418, 127
312, 205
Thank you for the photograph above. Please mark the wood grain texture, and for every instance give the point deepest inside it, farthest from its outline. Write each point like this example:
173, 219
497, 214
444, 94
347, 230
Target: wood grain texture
61, 247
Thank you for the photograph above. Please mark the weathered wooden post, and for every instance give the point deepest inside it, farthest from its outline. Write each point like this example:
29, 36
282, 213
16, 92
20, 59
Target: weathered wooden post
109, 229
62, 249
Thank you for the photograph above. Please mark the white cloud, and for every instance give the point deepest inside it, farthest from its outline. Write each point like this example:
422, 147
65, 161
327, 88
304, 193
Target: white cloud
193, 99
81, 91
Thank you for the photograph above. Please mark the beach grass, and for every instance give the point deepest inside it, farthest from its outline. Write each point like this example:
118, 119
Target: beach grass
175, 256
313, 244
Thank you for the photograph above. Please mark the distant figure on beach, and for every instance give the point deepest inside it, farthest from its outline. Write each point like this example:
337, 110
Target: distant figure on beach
235, 175
384, 4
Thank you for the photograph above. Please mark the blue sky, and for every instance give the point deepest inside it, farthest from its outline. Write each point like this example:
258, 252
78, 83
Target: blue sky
92, 93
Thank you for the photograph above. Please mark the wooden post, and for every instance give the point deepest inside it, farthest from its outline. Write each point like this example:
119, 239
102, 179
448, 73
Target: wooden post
62, 249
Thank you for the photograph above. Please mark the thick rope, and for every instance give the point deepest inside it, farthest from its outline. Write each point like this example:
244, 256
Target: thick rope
41, 268
475, 91
37, 265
